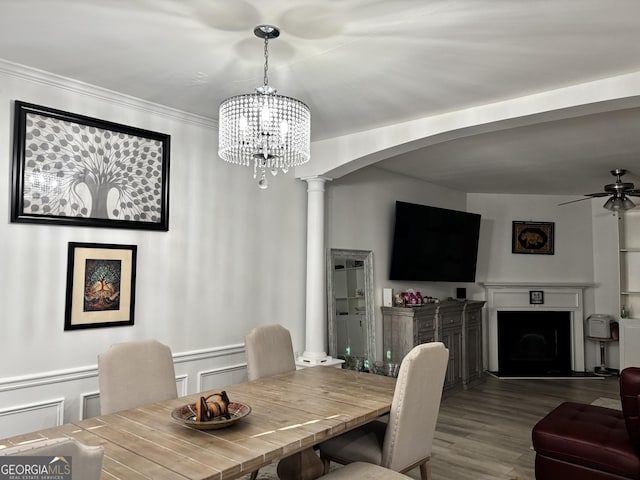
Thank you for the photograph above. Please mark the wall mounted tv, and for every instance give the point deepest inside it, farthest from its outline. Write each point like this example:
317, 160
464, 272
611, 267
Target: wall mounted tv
434, 244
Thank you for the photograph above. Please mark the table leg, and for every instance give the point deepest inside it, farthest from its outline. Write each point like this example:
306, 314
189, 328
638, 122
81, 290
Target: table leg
304, 465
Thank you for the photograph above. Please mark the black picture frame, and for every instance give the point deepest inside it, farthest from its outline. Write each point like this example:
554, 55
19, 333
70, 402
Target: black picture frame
535, 238
536, 297
70, 169
101, 285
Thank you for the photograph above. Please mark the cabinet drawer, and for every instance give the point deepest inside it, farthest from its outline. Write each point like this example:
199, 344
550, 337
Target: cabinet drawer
422, 324
473, 317
450, 320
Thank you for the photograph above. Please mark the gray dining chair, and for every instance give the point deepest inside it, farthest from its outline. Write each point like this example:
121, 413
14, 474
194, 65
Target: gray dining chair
364, 471
405, 440
86, 461
269, 351
131, 374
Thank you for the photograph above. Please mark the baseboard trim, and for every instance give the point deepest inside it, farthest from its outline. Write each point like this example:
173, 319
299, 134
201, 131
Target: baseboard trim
573, 376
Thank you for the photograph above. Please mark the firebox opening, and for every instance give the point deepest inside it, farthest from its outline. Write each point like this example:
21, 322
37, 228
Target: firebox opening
534, 343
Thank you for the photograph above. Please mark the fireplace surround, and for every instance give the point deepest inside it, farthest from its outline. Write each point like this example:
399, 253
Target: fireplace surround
514, 296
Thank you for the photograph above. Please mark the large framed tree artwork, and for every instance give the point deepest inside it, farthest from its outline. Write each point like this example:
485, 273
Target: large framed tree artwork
71, 169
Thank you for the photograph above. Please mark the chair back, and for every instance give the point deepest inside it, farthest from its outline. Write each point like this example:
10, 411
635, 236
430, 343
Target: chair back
131, 374
86, 461
269, 351
415, 406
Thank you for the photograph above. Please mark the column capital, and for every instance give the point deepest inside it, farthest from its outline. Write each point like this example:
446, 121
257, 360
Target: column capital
316, 182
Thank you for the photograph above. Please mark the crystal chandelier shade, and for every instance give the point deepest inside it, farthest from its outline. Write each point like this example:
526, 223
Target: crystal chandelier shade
269, 131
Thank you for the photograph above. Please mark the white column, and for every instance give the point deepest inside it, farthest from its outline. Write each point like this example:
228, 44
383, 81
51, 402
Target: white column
315, 352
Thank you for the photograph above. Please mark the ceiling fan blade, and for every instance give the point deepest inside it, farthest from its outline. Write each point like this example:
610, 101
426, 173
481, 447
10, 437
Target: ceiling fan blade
574, 201
599, 194
633, 193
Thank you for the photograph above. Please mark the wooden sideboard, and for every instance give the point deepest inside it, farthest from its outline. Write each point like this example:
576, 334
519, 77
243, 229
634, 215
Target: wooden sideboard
457, 324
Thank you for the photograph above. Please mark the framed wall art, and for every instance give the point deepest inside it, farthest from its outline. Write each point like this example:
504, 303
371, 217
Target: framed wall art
71, 169
536, 297
532, 237
100, 285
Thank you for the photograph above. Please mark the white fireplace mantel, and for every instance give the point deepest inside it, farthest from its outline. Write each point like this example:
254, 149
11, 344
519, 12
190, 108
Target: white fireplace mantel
558, 296
535, 285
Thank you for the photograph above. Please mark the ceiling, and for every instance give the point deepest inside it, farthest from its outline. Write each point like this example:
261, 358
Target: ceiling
363, 64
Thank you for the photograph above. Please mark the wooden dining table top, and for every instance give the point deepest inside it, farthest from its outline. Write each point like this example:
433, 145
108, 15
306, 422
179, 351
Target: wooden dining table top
290, 412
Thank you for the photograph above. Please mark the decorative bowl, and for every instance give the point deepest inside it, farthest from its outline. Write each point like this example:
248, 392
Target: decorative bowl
187, 414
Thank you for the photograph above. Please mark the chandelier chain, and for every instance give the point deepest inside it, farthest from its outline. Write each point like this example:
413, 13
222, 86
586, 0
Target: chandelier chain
266, 61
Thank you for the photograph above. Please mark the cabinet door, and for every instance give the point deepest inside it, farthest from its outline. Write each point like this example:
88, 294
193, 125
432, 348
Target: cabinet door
452, 339
629, 341
473, 352
397, 336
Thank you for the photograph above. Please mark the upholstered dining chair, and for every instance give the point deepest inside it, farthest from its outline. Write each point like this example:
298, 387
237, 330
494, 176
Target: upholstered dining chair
364, 471
131, 374
86, 461
404, 441
269, 351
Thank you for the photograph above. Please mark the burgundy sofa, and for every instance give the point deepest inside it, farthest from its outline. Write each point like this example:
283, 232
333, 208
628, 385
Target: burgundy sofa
586, 442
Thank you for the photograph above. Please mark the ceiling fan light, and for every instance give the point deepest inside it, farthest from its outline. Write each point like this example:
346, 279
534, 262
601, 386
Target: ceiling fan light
609, 204
627, 204
616, 203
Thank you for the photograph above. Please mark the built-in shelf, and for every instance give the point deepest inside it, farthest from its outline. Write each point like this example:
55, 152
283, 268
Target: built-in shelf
629, 286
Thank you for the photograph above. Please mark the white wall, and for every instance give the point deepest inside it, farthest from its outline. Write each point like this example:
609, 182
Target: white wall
606, 276
585, 250
234, 255
360, 216
572, 259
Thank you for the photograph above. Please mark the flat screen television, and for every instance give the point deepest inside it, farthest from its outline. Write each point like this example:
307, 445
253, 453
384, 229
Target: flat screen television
434, 244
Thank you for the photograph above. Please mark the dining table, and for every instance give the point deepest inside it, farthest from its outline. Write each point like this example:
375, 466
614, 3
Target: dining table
289, 413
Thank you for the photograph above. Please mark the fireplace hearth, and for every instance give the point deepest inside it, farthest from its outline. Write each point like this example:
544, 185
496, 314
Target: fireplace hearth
534, 343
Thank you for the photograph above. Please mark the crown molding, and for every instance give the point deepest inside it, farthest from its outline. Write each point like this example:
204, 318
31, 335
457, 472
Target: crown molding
81, 88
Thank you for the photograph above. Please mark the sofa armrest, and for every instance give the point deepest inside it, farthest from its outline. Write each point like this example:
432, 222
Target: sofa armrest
630, 399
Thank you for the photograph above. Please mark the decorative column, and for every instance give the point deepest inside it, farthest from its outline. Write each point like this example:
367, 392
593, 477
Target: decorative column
315, 352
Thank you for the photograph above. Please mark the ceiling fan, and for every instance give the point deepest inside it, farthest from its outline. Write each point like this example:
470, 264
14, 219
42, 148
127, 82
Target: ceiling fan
618, 191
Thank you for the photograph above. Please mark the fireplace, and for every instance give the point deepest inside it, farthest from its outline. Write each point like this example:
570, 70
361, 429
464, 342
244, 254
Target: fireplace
534, 343
516, 297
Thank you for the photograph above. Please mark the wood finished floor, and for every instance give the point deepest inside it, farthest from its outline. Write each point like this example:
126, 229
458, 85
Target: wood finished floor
485, 432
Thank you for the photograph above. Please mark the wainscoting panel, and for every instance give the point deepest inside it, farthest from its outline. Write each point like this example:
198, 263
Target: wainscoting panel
219, 377
73, 394
182, 383
33, 416
90, 405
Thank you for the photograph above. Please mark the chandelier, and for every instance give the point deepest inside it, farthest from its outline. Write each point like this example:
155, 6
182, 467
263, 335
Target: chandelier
270, 131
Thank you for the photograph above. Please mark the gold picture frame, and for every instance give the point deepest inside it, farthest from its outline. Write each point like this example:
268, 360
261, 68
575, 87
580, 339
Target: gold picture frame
100, 285
532, 238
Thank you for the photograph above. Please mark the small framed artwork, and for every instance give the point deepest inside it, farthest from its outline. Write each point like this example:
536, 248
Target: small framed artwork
536, 297
70, 169
532, 238
100, 285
